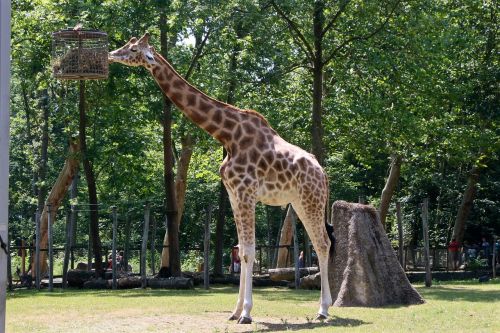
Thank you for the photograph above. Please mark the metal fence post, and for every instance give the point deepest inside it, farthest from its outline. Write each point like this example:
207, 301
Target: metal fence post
144, 245
206, 249
113, 250
51, 249
400, 236
37, 249
296, 250
425, 228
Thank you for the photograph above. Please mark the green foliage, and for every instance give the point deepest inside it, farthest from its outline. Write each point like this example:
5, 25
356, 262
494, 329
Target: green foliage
425, 87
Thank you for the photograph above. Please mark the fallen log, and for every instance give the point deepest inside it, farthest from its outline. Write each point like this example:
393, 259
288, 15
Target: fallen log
129, 282
364, 270
97, 284
288, 274
311, 282
170, 283
76, 278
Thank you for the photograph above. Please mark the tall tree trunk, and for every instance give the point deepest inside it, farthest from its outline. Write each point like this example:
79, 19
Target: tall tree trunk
55, 197
42, 165
180, 190
285, 239
466, 205
91, 185
318, 148
219, 226
223, 197
389, 188
174, 268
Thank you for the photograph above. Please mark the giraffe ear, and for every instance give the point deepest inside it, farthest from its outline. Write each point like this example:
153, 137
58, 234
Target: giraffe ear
144, 40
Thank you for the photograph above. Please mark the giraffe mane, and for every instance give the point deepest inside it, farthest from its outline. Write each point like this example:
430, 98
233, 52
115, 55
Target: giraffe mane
248, 111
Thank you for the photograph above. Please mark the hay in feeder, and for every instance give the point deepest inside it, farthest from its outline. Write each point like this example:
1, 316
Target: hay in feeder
81, 62
80, 55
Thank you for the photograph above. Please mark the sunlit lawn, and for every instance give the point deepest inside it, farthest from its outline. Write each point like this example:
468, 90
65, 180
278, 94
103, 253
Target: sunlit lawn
452, 307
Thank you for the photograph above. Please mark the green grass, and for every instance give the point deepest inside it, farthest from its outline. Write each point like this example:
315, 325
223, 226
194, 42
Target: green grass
456, 307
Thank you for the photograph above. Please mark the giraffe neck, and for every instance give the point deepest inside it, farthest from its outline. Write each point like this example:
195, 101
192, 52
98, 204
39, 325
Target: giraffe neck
213, 116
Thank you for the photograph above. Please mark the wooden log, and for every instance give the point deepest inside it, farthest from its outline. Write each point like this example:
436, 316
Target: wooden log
129, 282
76, 278
54, 200
310, 282
364, 270
288, 274
170, 283
97, 284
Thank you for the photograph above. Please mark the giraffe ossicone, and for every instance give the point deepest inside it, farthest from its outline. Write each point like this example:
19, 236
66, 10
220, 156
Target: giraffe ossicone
260, 167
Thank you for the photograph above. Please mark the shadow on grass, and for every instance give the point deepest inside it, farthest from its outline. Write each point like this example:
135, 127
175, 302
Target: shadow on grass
72, 292
333, 322
465, 294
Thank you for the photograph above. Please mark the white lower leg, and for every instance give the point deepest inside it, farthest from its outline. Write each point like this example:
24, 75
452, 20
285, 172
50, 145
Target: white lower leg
241, 295
248, 260
326, 296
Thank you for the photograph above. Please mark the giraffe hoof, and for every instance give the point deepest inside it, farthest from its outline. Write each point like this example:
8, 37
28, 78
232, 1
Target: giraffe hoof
233, 317
321, 317
245, 320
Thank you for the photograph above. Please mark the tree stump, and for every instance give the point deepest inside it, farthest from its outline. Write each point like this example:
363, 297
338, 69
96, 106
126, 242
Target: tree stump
364, 270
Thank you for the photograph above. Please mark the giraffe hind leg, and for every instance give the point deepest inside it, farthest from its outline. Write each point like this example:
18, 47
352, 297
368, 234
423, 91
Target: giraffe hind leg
313, 221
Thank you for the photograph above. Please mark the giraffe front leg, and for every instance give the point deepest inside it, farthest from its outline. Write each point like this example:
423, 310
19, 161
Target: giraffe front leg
241, 295
247, 260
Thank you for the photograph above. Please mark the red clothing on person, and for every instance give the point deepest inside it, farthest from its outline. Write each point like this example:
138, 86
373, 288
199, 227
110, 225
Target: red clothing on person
453, 246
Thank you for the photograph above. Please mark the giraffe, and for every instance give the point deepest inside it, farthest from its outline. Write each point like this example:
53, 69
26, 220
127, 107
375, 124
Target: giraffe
260, 166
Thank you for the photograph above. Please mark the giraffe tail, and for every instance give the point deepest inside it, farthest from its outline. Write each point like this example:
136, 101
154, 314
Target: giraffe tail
329, 227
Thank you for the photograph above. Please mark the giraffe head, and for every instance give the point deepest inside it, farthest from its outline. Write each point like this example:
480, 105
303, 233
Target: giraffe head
134, 53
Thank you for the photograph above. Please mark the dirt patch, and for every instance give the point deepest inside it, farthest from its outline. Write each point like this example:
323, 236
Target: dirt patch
209, 322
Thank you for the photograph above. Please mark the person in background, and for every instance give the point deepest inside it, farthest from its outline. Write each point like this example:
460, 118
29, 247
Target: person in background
235, 260
453, 248
497, 250
301, 259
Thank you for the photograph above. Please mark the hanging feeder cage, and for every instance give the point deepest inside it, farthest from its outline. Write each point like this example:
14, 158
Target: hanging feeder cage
80, 54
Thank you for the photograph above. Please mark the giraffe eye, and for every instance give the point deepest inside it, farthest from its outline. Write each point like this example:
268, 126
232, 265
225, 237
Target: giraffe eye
133, 50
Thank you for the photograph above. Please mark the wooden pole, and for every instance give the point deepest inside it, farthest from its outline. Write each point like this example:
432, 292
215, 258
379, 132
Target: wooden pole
23, 256
113, 250
67, 247
361, 199
9, 268
296, 250
400, 235
494, 260
51, 250
144, 245
73, 196
206, 249
37, 249
152, 245
89, 244
127, 242
307, 250
425, 228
